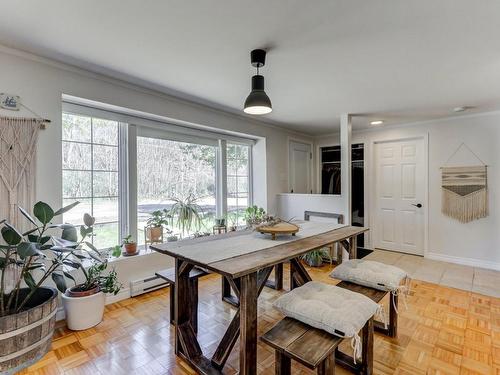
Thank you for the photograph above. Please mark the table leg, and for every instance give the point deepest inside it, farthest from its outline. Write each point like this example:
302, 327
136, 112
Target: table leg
248, 324
353, 247
227, 290
183, 305
277, 284
298, 274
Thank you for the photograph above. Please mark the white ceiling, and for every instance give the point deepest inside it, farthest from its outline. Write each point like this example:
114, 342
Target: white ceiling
401, 61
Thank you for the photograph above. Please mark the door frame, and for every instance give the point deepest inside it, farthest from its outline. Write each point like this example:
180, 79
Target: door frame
310, 178
373, 178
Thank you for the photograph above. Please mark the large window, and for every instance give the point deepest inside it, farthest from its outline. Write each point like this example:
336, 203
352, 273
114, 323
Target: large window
90, 174
238, 182
170, 171
122, 168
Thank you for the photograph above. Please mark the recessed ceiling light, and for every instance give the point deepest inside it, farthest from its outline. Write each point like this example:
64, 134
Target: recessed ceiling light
459, 109
377, 122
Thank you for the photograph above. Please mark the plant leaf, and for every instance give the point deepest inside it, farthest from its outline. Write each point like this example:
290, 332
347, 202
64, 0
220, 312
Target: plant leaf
10, 235
43, 212
59, 281
68, 275
92, 247
28, 279
64, 243
27, 216
72, 264
65, 209
88, 220
27, 249
61, 249
28, 233
70, 234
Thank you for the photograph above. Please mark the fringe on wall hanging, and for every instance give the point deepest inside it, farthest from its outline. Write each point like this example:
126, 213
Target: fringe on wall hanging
465, 191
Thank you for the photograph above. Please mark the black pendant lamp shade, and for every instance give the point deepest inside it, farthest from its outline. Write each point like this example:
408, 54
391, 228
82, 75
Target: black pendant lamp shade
258, 103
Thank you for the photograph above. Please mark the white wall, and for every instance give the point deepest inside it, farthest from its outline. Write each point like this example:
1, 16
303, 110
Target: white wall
41, 83
476, 243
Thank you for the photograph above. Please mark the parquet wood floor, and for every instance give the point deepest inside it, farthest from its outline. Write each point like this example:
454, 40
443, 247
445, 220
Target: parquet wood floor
444, 331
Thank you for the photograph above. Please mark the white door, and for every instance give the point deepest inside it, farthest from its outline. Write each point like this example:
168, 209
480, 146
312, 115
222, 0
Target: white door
400, 188
299, 167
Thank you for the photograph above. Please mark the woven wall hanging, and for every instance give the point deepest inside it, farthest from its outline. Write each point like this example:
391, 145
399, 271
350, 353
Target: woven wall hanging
465, 190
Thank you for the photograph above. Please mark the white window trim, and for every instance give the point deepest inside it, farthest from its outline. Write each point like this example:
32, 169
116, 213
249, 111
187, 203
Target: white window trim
131, 127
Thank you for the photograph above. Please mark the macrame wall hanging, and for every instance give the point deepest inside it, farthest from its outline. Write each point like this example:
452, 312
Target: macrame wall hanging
18, 139
465, 190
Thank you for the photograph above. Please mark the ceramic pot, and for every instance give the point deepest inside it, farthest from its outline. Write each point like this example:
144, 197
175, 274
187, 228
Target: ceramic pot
130, 248
155, 234
83, 312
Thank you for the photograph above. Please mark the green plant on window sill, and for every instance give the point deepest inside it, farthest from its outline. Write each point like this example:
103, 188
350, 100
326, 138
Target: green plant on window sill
158, 218
188, 213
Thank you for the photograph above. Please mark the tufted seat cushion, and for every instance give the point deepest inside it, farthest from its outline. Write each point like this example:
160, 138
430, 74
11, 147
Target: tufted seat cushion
371, 274
327, 307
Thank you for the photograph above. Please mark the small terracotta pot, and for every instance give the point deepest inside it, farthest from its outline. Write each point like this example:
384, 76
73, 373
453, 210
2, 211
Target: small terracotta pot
154, 233
130, 248
74, 292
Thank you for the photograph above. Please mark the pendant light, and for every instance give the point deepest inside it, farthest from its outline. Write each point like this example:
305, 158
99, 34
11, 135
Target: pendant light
258, 103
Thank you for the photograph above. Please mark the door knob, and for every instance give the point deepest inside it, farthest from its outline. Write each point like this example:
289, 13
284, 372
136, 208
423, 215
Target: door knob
418, 205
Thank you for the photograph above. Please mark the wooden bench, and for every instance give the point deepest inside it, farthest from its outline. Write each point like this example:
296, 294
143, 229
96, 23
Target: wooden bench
315, 348
376, 296
194, 275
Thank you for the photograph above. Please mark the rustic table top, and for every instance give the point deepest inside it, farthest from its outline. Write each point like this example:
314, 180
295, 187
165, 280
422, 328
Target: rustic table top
236, 254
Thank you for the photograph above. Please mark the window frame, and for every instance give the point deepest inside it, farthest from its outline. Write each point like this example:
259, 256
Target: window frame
121, 187
132, 125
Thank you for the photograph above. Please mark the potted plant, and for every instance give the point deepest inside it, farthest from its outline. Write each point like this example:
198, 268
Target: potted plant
220, 222
254, 215
129, 245
155, 225
315, 258
187, 212
84, 303
172, 238
27, 261
232, 219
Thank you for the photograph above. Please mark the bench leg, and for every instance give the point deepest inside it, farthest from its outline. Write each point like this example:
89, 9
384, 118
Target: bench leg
282, 364
367, 355
327, 367
172, 303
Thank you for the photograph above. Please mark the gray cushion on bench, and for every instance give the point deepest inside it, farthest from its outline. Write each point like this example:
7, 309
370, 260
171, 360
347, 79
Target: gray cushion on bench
327, 307
371, 274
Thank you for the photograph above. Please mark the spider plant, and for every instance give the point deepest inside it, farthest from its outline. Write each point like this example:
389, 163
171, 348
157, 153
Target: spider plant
188, 213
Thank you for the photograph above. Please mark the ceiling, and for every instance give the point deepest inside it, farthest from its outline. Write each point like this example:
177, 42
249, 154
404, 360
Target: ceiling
400, 61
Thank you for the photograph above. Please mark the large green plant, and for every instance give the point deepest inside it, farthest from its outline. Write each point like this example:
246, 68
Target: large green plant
188, 213
158, 218
35, 255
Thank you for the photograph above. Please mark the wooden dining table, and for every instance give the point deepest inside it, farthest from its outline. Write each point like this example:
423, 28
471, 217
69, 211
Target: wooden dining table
245, 260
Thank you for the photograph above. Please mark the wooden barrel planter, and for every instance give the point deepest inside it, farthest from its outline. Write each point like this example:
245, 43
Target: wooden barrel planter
26, 337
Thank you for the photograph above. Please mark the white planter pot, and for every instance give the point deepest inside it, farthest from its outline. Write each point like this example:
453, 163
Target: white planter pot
83, 312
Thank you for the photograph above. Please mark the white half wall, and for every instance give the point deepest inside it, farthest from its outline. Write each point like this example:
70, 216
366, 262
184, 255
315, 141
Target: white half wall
293, 205
476, 243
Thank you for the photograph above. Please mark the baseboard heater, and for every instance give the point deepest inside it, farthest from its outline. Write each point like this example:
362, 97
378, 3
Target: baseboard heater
148, 284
